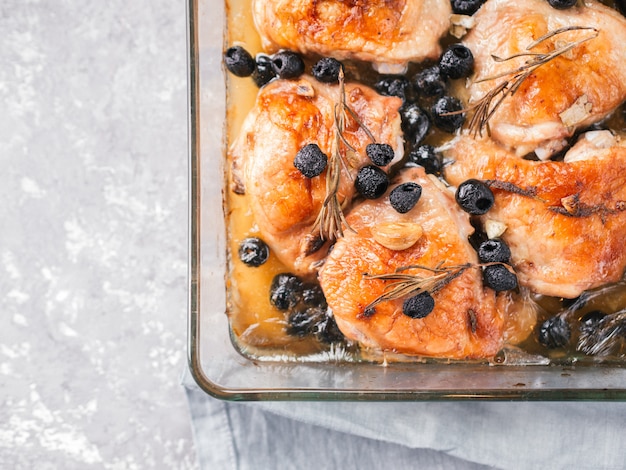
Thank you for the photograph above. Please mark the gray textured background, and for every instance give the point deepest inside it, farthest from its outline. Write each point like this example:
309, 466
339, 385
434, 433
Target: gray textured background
93, 242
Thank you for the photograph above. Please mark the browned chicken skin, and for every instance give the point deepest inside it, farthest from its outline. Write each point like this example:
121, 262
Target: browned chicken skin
566, 93
289, 114
389, 32
465, 322
565, 221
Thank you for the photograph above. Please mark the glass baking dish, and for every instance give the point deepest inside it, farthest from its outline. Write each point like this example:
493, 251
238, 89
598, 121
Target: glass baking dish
223, 372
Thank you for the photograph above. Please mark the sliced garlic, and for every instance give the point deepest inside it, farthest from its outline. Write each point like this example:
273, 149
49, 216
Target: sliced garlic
384, 68
577, 112
397, 235
494, 228
460, 24
603, 139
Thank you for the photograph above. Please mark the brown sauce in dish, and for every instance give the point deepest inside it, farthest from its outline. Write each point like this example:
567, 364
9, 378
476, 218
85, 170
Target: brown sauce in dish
259, 329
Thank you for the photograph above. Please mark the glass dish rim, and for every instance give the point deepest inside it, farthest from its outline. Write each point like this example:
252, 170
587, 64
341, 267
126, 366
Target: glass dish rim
220, 391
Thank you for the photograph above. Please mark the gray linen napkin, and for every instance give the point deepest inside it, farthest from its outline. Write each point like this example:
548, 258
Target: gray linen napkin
422, 435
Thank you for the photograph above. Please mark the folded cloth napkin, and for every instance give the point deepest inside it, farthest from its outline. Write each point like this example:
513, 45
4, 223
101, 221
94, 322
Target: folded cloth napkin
421, 435
241, 436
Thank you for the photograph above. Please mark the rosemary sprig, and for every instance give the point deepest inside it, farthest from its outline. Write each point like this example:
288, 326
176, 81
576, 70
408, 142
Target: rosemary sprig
331, 219
486, 107
409, 284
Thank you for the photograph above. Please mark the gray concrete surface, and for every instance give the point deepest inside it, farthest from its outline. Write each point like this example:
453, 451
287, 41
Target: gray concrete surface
93, 217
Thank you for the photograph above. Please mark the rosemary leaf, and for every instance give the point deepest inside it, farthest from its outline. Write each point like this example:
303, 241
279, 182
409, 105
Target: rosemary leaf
485, 108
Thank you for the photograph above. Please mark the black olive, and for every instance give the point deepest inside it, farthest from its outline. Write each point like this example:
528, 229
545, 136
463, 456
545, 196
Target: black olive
285, 291
429, 82
446, 114
310, 160
562, 4
380, 154
302, 322
264, 71
287, 64
415, 123
499, 278
404, 196
312, 295
327, 331
590, 321
466, 7
425, 156
457, 62
253, 251
418, 306
371, 182
239, 62
326, 70
494, 250
555, 332
394, 86
474, 197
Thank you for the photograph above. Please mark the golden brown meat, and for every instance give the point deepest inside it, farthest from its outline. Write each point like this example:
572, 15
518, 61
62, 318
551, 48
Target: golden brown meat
569, 92
289, 114
389, 33
565, 221
465, 322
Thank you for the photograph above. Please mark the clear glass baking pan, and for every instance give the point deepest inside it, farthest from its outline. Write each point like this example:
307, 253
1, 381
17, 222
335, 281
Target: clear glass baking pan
223, 372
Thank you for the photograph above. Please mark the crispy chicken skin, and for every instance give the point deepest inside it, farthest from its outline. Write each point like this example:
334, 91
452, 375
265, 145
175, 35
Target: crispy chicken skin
565, 221
464, 323
289, 114
389, 32
592, 73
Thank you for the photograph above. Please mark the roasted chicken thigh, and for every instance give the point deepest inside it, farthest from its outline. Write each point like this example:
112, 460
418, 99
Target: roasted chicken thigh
389, 33
564, 221
571, 63
288, 115
465, 321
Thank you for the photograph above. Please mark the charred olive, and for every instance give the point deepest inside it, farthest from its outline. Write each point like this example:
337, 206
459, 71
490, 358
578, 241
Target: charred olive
499, 278
253, 251
301, 322
425, 156
312, 295
494, 250
287, 64
418, 306
264, 71
457, 62
429, 82
555, 332
326, 70
394, 86
327, 331
474, 197
371, 182
404, 196
590, 321
380, 154
415, 123
285, 291
447, 114
239, 62
466, 7
310, 160
562, 4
